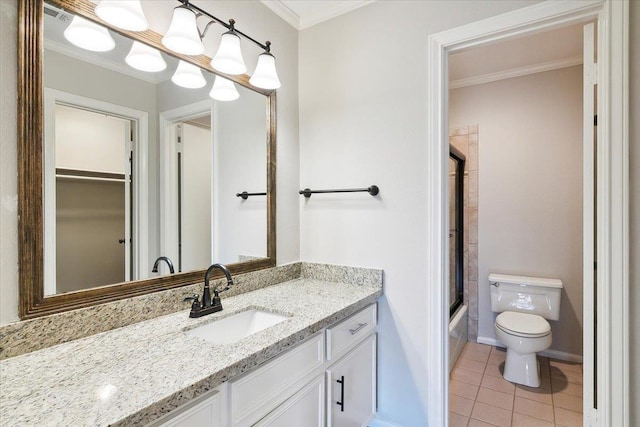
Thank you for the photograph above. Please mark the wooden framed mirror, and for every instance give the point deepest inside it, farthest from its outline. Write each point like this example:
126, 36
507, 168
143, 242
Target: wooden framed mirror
37, 175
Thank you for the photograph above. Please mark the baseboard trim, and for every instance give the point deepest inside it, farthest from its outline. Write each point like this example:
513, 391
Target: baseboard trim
379, 422
554, 354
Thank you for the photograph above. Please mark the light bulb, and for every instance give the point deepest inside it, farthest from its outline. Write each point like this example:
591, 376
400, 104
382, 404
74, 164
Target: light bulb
145, 58
89, 35
223, 90
182, 35
228, 59
265, 75
188, 76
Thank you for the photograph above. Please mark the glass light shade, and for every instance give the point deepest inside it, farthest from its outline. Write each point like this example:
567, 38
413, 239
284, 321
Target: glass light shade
88, 35
188, 76
145, 58
228, 59
183, 36
125, 14
224, 90
265, 75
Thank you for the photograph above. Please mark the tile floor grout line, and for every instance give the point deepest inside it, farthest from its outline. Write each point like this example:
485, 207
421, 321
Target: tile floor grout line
512, 422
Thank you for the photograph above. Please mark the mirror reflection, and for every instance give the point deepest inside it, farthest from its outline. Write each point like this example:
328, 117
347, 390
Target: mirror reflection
137, 167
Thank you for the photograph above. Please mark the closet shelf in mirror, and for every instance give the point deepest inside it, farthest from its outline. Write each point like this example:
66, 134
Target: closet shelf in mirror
89, 175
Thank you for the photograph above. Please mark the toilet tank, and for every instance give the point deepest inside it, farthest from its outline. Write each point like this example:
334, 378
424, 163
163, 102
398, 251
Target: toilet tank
534, 295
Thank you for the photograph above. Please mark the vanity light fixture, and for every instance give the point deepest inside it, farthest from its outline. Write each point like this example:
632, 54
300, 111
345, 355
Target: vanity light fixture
228, 59
88, 35
145, 58
184, 36
224, 90
125, 14
265, 75
188, 76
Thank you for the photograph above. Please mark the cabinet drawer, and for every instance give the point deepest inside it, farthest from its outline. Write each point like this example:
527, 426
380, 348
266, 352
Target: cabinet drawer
259, 392
343, 335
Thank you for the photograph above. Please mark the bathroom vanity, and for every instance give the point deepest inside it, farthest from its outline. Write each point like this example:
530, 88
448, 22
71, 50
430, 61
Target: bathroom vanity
338, 363
316, 365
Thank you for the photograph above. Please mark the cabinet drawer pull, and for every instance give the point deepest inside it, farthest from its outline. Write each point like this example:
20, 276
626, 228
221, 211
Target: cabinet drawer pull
356, 329
341, 401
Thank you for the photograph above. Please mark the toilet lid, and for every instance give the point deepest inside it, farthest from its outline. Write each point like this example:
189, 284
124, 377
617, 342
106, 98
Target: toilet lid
523, 324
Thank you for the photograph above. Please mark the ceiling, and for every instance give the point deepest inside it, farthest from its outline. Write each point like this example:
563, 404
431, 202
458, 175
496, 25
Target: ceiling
302, 14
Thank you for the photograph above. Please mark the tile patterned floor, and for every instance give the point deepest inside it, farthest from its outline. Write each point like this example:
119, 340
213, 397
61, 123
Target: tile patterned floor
479, 396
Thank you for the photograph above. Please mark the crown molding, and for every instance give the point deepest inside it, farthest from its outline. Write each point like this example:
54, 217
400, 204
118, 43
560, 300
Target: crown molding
340, 8
283, 12
303, 22
516, 72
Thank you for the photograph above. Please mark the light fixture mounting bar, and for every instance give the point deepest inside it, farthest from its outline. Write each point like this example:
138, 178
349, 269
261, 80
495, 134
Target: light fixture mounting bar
201, 11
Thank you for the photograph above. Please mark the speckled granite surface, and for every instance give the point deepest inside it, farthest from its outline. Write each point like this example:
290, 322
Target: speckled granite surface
132, 375
341, 273
20, 337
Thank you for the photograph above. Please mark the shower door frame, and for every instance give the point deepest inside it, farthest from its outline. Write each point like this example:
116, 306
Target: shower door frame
459, 228
612, 305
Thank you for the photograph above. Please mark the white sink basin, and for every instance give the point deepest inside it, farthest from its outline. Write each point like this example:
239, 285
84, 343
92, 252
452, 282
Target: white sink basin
233, 328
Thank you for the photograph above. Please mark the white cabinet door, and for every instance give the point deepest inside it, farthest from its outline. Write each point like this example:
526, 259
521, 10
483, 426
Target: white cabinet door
262, 390
351, 387
305, 408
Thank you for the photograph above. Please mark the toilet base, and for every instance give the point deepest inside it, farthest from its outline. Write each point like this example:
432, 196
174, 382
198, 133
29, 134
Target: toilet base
522, 368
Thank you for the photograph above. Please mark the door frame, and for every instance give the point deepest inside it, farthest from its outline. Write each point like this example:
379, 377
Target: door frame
140, 206
169, 173
612, 205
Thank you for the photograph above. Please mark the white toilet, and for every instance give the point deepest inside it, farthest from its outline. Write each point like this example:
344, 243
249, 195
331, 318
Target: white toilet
524, 303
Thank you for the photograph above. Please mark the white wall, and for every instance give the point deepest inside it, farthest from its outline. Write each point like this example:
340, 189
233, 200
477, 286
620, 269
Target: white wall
240, 135
253, 18
197, 166
363, 110
530, 187
80, 134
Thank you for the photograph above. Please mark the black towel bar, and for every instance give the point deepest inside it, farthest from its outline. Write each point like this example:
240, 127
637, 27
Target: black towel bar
246, 195
373, 190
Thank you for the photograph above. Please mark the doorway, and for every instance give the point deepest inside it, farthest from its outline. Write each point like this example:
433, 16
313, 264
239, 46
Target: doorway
187, 186
527, 206
612, 36
93, 199
195, 195
95, 192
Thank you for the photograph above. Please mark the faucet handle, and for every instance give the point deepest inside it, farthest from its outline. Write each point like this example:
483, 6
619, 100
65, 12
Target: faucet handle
196, 302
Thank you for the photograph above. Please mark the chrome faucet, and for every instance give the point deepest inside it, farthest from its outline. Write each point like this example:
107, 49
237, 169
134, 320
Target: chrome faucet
165, 259
209, 305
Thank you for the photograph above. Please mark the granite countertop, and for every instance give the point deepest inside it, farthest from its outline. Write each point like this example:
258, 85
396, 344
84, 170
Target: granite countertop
135, 374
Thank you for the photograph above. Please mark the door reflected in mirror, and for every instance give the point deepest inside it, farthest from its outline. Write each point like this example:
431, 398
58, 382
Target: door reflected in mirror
136, 167
93, 203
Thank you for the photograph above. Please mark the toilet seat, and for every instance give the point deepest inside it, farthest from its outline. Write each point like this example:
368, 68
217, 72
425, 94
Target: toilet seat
523, 324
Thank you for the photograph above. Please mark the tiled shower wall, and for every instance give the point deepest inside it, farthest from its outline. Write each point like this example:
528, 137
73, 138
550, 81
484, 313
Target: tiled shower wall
465, 139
